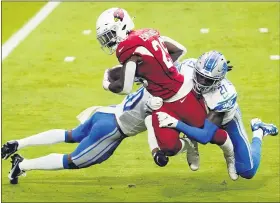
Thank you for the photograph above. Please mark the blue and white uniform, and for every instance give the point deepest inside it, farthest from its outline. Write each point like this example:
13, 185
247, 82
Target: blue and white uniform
224, 99
104, 129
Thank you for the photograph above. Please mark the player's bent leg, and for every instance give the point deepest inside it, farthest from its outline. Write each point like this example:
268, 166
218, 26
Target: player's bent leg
260, 129
167, 138
102, 141
246, 159
256, 156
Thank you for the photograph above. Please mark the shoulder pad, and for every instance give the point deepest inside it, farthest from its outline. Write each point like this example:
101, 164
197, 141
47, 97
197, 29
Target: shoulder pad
223, 99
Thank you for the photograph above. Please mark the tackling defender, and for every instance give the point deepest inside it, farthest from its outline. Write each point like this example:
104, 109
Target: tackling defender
101, 131
209, 75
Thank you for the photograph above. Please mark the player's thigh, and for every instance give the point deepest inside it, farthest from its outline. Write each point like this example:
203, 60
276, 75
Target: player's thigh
99, 150
242, 147
167, 138
190, 110
83, 130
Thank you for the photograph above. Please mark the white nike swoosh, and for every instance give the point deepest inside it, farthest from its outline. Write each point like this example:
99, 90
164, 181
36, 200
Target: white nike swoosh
182, 100
121, 49
12, 171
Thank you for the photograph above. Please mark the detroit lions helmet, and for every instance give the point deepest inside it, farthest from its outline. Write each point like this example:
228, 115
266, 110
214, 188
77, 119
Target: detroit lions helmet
112, 27
210, 69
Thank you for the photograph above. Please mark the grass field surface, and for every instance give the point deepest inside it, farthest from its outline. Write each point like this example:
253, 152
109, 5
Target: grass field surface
40, 91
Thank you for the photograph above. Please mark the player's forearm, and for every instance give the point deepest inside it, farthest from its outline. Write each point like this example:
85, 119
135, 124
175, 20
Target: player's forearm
125, 83
201, 135
175, 49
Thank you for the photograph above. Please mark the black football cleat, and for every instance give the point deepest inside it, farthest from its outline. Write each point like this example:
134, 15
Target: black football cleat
8, 149
15, 171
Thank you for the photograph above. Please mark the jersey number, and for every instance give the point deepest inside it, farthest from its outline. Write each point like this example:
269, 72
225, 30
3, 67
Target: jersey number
133, 99
159, 44
223, 91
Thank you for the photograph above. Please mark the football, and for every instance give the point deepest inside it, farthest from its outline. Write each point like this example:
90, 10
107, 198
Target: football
114, 73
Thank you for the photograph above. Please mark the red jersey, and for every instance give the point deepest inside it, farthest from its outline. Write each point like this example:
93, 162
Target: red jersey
156, 66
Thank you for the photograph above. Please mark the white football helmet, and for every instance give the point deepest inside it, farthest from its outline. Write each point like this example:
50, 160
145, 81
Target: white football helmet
210, 69
112, 27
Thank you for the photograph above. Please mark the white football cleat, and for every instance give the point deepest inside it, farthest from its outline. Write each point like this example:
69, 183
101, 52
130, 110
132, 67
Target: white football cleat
193, 158
230, 160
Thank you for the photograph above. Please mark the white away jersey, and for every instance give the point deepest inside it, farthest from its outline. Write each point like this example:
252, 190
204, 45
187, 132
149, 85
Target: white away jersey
130, 113
223, 99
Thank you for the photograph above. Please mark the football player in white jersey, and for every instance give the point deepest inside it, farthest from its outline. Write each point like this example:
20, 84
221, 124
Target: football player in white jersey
221, 99
101, 131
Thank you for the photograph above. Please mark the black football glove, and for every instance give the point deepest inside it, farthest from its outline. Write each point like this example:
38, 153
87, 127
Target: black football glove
160, 158
229, 66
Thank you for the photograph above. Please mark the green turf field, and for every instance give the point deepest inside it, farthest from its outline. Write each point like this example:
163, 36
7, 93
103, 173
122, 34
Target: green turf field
40, 92
15, 14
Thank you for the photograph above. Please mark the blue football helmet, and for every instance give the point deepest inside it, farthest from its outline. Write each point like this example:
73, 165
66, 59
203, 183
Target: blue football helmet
210, 69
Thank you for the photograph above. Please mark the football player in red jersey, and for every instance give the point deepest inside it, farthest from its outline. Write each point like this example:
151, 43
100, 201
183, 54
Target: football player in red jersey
146, 55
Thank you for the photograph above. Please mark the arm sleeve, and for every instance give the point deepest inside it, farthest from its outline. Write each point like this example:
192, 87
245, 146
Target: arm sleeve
152, 140
201, 135
129, 77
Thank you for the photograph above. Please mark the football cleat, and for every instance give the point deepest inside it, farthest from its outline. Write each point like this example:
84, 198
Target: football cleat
268, 128
15, 171
193, 158
8, 149
230, 160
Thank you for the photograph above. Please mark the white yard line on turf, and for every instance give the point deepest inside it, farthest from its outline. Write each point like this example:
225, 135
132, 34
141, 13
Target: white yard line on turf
20, 35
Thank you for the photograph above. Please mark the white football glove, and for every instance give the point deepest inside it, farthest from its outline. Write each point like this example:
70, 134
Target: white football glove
166, 121
106, 81
154, 103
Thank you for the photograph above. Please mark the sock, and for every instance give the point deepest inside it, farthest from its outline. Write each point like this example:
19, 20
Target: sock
227, 148
258, 133
49, 162
44, 138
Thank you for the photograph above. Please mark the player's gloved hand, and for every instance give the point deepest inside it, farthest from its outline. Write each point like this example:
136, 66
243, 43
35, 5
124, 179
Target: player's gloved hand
229, 66
106, 81
160, 158
152, 104
166, 121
